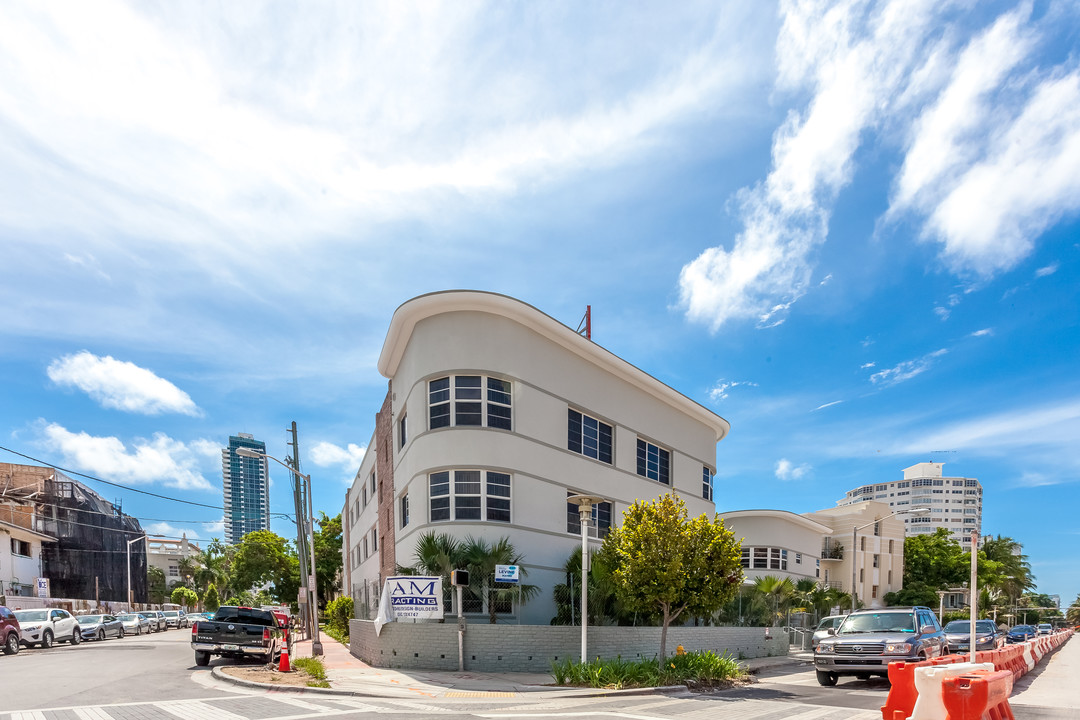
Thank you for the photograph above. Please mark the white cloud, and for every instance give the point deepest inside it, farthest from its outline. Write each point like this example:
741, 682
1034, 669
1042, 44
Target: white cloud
121, 385
720, 390
992, 143
828, 404
983, 333
1047, 270
853, 62
942, 312
158, 460
907, 369
325, 454
786, 470
868, 365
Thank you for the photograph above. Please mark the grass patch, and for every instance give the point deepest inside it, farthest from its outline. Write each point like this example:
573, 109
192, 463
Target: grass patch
313, 666
337, 634
694, 669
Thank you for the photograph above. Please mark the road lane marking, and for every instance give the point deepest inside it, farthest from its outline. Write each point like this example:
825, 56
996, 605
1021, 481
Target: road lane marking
92, 713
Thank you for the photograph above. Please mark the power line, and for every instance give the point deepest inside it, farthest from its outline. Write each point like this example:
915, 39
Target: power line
113, 484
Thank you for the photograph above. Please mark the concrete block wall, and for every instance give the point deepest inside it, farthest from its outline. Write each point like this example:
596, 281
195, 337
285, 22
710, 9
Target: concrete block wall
532, 648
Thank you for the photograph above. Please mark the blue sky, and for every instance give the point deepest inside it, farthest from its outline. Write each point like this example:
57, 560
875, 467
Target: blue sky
849, 229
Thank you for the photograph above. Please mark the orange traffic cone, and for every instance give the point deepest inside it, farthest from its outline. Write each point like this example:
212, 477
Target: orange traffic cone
283, 663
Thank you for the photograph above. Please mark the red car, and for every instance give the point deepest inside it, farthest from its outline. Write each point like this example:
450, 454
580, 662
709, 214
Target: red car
10, 632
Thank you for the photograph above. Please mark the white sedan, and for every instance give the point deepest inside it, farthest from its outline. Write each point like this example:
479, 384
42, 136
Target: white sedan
46, 626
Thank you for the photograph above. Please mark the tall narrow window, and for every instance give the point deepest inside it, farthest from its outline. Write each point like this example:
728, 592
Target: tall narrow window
404, 510
439, 403
498, 406
498, 497
468, 400
706, 482
439, 492
403, 431
653, 462
588, 436
467, 495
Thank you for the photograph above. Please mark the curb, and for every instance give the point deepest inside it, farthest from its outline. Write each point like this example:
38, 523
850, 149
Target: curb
219, 673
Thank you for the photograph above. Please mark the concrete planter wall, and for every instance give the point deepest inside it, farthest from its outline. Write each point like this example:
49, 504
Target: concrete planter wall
532, 648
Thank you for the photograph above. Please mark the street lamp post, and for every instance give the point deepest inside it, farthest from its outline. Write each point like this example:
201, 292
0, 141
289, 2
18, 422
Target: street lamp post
308, 533
585, 505
131, 598
854, 537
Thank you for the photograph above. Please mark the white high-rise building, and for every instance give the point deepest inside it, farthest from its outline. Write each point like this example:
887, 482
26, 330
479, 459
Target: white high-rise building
955, 502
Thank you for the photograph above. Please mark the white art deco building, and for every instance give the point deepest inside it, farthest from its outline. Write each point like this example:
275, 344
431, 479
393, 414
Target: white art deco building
494, 414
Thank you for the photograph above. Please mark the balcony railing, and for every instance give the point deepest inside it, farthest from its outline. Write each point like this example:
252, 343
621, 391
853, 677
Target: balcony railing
832, 551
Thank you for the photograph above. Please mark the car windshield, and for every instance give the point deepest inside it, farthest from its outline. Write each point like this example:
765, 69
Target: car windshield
964, 626
173, 613
878, 622
1023, 629
126, 617
32, 615
829, 623
90, 619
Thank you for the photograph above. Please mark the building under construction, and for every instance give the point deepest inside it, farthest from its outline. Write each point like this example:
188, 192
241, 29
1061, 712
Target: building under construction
89, 559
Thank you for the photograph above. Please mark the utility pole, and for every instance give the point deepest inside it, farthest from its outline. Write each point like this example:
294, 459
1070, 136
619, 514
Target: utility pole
299, 507
305, 532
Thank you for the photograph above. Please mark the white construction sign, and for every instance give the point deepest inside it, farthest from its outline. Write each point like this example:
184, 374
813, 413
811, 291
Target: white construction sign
412, 597
507, 573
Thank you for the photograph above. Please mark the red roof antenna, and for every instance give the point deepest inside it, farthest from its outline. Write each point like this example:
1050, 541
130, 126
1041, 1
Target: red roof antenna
585, 326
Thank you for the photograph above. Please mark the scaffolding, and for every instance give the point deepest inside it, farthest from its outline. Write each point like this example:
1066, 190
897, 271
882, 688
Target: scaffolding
89, 559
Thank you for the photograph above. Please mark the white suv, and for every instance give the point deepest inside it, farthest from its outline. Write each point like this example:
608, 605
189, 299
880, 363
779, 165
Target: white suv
46, 626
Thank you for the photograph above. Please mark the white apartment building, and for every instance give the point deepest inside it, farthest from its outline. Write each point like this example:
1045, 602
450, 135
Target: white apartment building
778, 543
955, 502
166, 554
877, 557
494, 414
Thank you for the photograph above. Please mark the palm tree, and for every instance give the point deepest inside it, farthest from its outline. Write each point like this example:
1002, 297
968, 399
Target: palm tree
437, 554
1014, 575
481, 558
778, 590
1072, 613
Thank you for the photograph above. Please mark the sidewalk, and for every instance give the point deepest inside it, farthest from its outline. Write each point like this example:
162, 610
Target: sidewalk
1050, 684
348, 674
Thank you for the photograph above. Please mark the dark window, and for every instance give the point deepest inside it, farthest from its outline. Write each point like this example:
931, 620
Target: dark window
439, 403
499, 403
439, 492
588, 436
404, 510
498, 497
706, 482
403, 431
468, 397
20, 547
653, 462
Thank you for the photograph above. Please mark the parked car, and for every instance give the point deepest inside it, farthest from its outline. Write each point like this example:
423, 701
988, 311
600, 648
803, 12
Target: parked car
829, 623
99, 627
868, 640
10, 632
1045, 629
135, 623
174, 619
237, 632
987, 635
157, 620
46, 626
1021, 633
185, 619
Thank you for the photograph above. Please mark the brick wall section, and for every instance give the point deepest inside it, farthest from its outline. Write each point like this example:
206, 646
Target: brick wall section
532, 648
384, 473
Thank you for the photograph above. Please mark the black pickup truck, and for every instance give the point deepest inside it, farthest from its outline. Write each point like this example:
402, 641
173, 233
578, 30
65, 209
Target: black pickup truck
237, 632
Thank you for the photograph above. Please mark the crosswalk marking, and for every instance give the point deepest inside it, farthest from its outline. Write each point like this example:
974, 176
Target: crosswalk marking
92, 713
197, 710
28, 715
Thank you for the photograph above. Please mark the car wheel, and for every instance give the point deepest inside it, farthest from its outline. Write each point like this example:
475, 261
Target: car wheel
946, 650
76, 635
101, 634
202, 658
47, 639
11, 645
862, 676
828, 679
120, 634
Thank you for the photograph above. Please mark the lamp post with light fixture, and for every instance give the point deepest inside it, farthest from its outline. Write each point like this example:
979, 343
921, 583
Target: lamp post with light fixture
306, 528
854, 533
585, 505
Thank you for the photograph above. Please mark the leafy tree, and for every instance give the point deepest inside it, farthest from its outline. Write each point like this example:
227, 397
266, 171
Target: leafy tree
665, 563
1072, 614
914, 592
936, 560
481, 558
328, 560
214, 564
436, 554
263, 557
338, 614
778, 591
211, 600
185, 596
604, 605
1012, 575
155, 584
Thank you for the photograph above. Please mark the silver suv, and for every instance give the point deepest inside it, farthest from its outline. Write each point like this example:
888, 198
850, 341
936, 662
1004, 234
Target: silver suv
868, 640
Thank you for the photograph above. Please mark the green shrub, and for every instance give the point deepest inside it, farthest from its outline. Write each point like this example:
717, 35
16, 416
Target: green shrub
312, 666
339, 613
694, 668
